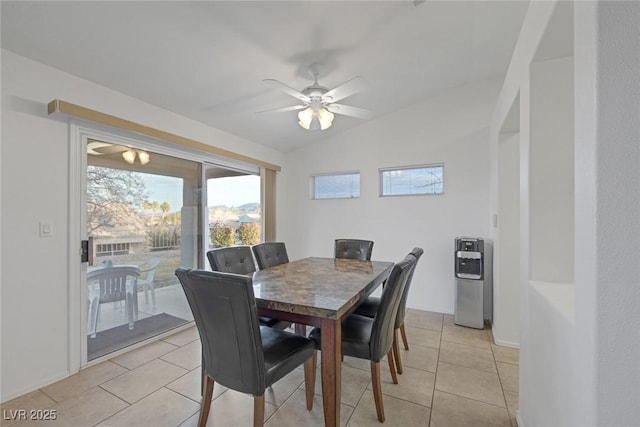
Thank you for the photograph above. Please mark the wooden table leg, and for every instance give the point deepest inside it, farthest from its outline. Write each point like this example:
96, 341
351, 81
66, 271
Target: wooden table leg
331, 371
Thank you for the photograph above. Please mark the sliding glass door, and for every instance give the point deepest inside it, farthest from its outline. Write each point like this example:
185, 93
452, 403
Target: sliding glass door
234, 210
143, 221
149, 211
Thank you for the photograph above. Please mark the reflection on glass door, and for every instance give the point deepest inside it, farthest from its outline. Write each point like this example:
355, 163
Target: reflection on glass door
234, 210
143, 217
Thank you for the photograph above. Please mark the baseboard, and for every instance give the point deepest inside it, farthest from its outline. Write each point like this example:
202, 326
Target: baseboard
519, 419
40, 384
507, 343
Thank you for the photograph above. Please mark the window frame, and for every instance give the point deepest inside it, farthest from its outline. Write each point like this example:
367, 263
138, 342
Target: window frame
352, 172
381, 171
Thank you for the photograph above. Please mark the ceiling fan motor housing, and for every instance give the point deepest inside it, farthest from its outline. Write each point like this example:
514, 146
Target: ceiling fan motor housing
315, 92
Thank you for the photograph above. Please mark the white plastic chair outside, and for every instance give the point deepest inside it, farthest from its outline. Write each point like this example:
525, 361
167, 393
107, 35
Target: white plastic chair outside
111, 284
147, 283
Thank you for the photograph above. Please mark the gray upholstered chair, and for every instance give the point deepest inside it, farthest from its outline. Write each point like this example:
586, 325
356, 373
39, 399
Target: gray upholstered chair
370, 305
270, 254
372, 338
238, 352
353, 249
234, 259
110, 284
239, 260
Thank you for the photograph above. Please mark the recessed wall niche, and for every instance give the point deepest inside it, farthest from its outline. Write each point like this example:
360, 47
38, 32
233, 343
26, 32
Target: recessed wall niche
551, 165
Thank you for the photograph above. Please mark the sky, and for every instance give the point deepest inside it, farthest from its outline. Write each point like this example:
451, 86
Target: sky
231, 191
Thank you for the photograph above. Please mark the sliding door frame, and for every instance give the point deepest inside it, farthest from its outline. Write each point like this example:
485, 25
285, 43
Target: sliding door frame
80, 133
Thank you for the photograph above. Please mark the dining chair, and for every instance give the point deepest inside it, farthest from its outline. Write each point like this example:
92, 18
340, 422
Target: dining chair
239, 260
369, 307
232, 259
371, 338
239, 353
110, 284
147, 283
353, 249
270, 254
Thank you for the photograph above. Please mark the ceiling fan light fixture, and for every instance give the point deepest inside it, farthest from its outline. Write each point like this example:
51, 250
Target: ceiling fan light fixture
144, 157
325, 117
305, 117
314, 119
129, 156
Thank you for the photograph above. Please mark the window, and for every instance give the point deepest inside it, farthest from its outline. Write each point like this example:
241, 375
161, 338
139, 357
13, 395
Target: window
336, 185
428, 179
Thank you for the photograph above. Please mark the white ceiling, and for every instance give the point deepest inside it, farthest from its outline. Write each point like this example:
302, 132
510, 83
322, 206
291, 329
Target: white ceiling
207, 60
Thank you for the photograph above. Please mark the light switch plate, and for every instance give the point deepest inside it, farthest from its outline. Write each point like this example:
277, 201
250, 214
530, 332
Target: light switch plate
46, 229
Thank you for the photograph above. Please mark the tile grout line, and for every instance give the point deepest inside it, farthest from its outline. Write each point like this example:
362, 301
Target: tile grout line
435, 376
115, 413
504, 396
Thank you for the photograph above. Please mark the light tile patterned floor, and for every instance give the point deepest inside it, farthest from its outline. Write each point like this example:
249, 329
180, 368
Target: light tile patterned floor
453, 376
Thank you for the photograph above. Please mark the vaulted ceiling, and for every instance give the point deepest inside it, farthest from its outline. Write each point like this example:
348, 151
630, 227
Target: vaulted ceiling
207, 60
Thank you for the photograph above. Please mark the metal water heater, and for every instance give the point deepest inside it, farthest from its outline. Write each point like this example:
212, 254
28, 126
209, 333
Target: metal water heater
474, 282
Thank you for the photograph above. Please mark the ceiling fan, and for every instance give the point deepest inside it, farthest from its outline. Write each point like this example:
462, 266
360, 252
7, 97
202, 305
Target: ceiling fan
97, 148
319, 103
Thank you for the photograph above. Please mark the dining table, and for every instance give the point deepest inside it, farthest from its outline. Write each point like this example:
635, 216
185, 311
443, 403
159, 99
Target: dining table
320, 292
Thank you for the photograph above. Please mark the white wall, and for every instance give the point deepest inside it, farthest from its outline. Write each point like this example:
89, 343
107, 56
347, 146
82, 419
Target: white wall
506, 309
35, 185
551, 152
617, 213
579, 367
547, 349
451, 128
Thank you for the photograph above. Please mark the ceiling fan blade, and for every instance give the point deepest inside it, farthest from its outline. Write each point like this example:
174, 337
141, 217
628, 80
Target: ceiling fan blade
354, 85
347, 110
98, 147
278, 110
287, 89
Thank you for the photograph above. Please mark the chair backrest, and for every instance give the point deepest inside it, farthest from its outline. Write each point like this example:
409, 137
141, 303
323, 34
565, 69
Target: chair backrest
383, 323
353, 249
113, 282
402, 308
150, 268
270, 254
224, 309
234, 259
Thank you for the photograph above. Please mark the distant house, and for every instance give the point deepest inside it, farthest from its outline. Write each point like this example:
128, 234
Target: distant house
118, 230
248, 218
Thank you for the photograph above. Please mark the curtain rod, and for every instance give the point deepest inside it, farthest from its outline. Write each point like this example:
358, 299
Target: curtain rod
63, 107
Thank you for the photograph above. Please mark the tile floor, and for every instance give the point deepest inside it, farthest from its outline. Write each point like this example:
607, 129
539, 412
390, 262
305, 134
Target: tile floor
453, 376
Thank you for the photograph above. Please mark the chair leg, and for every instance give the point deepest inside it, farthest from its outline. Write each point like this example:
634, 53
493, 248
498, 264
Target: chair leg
300, 329
376, 384
129, 307
404, 337
310, 379
205, 404
135, 303
94, 310
258, 411
153, 294
392, 367
203, 378
396, 351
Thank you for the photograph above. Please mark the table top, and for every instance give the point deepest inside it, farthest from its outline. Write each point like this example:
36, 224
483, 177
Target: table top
319, 287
